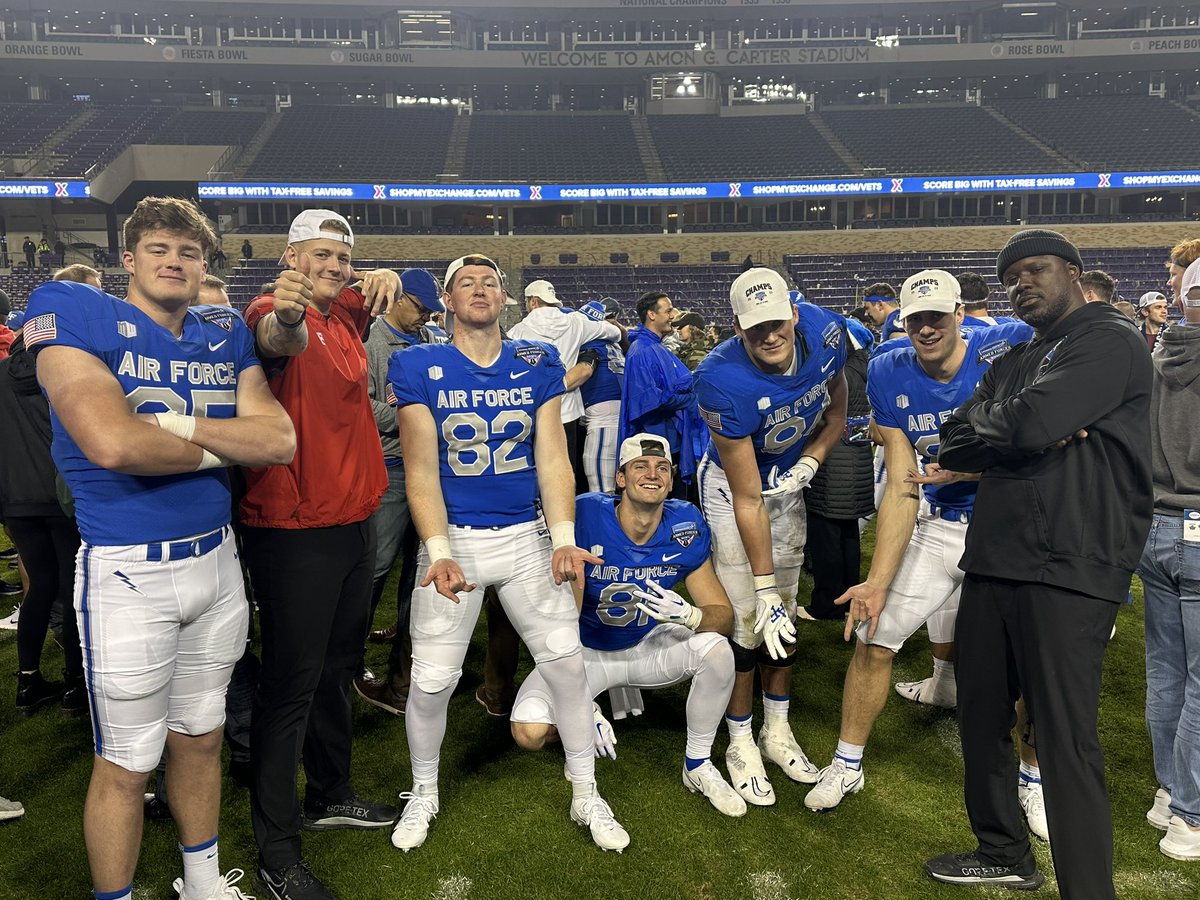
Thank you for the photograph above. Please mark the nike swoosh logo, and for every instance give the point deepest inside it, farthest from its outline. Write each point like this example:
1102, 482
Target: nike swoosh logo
213, 348
515, 375
667, 558
827, 366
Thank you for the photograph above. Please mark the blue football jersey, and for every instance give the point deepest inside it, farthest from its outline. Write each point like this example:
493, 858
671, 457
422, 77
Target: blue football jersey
195, 374
610, 619
778, 412
605, 383
903, 396
973, 322
891, 325
486, 417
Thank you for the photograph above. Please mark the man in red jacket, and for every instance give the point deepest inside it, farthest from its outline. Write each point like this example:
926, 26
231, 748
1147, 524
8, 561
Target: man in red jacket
310, 546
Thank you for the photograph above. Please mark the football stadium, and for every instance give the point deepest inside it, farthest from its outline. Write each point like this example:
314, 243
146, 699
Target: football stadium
872, 331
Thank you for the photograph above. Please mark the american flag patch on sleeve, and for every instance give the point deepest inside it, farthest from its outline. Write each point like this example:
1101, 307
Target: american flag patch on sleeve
389, 395
40, 328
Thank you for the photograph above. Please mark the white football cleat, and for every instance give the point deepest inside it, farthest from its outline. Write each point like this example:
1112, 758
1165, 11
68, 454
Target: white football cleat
1034, 806
413, 825
945, 694
785, 752
747, 774
836, 781
707, 780
1159, 815
225, 889
597, 816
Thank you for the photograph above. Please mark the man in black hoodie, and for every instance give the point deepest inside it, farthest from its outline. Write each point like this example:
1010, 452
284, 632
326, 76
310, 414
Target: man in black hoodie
1059, 428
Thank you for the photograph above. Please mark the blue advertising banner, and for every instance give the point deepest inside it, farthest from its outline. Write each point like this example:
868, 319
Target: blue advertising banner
34, 190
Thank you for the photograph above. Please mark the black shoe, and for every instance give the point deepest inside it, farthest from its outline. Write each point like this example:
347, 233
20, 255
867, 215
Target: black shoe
295, 882
34, 692
354, 812
156, 810
10, 553
968, 868
9, 589
75, 697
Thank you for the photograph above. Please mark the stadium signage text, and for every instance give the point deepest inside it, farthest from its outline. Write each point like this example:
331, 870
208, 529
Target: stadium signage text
718, 190
47, 190
649, 59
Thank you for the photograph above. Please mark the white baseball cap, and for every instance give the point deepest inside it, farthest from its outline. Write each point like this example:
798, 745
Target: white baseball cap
473, 259
643, 444
1191, 282
1151, 297
544, 291
307, 227
760, 295
930, 290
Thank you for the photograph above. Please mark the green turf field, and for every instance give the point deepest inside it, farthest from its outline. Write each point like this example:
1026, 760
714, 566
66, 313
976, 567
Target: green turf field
504, 831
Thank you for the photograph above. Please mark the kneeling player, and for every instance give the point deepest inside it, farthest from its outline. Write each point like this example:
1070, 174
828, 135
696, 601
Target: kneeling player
636, 631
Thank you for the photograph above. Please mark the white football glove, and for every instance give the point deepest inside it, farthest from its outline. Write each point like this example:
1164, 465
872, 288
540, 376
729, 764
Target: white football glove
664, 605
794, 479
772, 622
605, 738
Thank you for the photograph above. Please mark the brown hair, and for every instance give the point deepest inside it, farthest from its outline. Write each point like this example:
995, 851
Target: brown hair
1100, 282
169, 214
77, 272
1185, 253
212, 281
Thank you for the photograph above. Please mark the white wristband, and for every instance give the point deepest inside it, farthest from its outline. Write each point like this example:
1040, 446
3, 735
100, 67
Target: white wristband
209, 460
562, 534
180, 426
438, 547
765, 583
812, 461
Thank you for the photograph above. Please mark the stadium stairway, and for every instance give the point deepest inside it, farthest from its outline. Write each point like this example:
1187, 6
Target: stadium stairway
843, 152
255, 144
645, 147
1069, 163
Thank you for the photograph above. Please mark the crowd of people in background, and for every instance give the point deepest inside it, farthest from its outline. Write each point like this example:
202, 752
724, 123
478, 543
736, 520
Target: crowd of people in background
629, 490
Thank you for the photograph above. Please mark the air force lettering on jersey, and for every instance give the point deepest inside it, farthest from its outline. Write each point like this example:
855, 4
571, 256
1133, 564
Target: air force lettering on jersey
485, 421
902, 396
195, 375
777, 411
610, 619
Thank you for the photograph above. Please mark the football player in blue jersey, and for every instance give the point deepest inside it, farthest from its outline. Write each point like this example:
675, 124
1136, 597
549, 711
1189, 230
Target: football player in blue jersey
774, 399
914, 576
492, 495
975, 293
637, 631
601, 395
879, 301
150, 401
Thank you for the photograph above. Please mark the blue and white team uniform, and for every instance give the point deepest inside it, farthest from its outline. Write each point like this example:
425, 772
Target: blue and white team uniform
927, 584
974, 322
778, 413
158, 588
622, 646
601, 396
486, 419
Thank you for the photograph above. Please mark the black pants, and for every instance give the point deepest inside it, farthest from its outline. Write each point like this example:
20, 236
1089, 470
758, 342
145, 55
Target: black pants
1046, 644
836, 555
313, 588
400, 656
47, 545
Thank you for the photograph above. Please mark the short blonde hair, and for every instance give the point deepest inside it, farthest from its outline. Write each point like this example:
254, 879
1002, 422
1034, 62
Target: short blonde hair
77, 272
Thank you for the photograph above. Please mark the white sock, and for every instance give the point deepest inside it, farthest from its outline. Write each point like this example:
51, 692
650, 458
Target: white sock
850, 754
425, 725
567, 684
739, 728
201, 868
775, 712
942, 669
1030, 774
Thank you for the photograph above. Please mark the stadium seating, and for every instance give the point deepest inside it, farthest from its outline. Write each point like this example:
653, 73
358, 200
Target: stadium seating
355, 143
1123, 133
715, 148
24, 127
936, 140
552, 147
209, 126
105, 135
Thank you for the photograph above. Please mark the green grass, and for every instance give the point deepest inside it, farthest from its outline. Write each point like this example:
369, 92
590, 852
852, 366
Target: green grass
504, 831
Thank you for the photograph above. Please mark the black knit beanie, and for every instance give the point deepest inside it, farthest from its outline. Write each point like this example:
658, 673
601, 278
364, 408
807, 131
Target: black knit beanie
1036, 242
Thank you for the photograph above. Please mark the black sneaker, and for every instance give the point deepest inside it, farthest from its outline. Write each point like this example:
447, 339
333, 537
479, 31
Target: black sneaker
9, 588
968, 868
354, 812
75, 700
295, 882
34, 692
